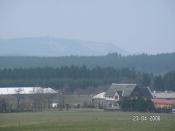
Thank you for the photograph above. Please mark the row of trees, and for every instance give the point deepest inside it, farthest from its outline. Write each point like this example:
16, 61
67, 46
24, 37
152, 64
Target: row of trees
72, 78
65, 72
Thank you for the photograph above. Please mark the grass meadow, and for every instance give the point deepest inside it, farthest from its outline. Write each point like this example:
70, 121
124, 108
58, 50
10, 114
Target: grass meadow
85, 120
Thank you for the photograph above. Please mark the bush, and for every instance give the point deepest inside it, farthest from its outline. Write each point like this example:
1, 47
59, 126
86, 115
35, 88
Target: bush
137, 104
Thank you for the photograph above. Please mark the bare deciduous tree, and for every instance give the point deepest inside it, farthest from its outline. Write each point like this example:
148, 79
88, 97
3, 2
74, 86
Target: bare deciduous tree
18, 97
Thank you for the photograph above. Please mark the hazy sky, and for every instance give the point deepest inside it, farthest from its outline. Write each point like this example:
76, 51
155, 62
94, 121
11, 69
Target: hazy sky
134, 25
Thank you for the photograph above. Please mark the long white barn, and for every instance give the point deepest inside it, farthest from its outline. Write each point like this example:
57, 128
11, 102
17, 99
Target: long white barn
164, 94
25, 90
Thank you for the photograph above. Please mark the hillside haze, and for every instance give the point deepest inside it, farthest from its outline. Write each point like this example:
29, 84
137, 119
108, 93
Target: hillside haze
45, 46
57, 52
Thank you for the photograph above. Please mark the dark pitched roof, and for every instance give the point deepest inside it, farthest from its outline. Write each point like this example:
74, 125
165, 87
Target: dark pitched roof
125, 89
141, 92
146, 92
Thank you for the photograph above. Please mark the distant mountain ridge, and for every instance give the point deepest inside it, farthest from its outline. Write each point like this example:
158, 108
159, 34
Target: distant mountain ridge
46, 46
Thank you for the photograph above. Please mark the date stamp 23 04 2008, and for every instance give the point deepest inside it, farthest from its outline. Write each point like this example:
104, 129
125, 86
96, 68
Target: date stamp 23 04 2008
152, 118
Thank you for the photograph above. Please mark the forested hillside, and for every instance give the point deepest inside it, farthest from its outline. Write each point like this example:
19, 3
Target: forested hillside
158, 64
81, 78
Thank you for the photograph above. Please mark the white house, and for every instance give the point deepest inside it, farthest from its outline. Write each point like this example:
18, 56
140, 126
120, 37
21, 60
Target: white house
110, 99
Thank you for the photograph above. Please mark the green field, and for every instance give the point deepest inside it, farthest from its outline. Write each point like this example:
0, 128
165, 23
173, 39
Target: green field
84, 120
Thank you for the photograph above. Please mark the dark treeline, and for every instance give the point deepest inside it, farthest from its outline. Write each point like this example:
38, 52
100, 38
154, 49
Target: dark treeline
73, 72
75, 77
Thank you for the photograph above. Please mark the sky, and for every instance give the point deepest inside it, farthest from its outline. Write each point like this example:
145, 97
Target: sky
142, 26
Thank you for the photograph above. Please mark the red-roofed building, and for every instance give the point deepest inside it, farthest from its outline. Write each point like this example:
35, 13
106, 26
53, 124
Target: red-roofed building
163, 103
